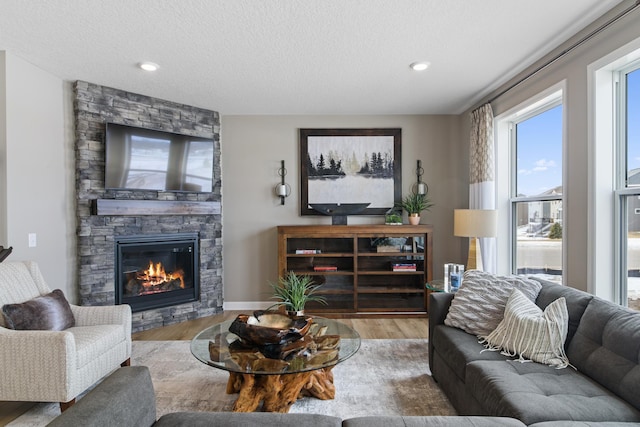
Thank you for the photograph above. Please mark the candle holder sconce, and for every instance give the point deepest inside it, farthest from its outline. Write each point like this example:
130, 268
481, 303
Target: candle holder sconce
420, 187
282, 189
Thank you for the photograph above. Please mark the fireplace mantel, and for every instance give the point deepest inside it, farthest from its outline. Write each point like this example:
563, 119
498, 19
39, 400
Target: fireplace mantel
114, 207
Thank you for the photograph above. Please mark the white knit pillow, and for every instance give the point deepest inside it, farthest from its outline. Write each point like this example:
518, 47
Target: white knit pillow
531, 333
478, 306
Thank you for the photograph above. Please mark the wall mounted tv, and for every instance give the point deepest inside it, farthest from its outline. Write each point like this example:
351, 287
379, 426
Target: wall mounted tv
145, 159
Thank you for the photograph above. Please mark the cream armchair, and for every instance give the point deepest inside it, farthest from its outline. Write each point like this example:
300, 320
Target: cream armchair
56, 366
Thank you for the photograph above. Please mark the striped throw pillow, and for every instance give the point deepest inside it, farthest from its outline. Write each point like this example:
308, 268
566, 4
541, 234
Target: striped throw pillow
530, 333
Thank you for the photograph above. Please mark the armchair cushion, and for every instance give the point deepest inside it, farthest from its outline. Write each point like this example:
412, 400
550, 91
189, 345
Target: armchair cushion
47, 312
91, 341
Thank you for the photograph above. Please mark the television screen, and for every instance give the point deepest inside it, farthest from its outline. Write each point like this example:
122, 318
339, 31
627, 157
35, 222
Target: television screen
145, 159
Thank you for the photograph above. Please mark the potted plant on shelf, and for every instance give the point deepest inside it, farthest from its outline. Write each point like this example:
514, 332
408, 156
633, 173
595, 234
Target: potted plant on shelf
294, 291
414, 204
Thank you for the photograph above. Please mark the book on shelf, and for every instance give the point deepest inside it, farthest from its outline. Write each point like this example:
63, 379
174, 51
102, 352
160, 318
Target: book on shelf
403, 267
325, 268
387, 248
308, 251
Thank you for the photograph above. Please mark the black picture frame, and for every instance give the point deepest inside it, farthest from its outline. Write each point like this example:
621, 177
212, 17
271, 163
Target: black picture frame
343, 158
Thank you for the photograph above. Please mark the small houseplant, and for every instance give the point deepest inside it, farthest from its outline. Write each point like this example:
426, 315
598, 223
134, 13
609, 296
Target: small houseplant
393, 216
294, 291
414, 204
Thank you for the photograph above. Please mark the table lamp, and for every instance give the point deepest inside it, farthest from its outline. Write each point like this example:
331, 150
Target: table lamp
474, 223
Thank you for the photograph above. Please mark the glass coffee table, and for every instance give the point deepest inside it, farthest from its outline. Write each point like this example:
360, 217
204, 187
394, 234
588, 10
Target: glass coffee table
275, 381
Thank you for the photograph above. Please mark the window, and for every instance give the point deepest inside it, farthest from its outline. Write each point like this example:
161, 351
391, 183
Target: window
536, 135
628, 184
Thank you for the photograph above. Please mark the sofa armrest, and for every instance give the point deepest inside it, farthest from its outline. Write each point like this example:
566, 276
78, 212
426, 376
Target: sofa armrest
439, 304
103, 315
35, 364
124, 398
439, 307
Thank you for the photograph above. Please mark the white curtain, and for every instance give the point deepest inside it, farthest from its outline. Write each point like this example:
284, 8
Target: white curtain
482, 176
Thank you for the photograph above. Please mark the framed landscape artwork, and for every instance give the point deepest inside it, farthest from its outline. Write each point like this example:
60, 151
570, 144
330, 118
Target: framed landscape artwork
350, 166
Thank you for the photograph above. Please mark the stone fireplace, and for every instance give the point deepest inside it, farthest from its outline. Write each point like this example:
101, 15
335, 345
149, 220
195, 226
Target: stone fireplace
107, 218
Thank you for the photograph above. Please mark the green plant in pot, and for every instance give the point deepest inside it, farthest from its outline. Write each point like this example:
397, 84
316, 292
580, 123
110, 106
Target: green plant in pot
393, 216
294, 291
414, 204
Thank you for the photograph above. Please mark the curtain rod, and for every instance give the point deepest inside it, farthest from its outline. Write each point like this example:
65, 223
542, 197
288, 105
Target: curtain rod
569, 49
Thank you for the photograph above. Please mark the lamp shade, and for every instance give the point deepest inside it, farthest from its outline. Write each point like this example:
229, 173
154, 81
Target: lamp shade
475, 222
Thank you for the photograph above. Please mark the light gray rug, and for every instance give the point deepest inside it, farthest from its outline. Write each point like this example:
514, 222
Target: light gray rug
385, 377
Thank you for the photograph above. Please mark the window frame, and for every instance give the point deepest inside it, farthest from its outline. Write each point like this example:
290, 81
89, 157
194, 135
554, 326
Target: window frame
622, 191
507, 169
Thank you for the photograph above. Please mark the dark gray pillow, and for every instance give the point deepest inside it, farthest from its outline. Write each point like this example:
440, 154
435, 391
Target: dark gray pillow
49, 312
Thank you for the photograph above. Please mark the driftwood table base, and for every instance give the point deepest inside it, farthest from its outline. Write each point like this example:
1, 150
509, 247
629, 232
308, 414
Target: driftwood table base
278, 392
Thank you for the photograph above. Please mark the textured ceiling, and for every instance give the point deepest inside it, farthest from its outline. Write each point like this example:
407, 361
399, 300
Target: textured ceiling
291, 56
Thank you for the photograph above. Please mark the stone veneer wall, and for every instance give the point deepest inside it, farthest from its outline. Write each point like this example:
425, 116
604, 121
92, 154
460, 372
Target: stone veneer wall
95, 105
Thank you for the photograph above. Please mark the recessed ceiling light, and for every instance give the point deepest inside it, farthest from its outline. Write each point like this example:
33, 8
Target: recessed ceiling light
148, 66
419, 66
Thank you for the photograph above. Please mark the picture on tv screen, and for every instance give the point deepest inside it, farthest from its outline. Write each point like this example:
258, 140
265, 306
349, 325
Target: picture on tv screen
145, 159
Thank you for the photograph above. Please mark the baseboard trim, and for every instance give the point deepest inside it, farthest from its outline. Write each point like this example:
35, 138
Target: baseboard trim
246, 305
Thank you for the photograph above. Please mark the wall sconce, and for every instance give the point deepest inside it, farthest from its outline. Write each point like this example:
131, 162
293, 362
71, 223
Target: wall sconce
420, 187
283, 189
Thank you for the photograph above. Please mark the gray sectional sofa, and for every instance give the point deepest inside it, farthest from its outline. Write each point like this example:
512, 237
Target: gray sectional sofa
603, 344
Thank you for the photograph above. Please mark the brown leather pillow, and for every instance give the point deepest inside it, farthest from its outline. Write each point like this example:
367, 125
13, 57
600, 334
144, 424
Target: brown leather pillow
49, 312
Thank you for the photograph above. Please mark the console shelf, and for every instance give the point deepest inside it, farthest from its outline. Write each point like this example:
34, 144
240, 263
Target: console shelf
355, 265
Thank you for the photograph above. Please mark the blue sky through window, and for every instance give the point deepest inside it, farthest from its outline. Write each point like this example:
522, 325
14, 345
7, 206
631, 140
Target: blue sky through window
539, 153
633, 120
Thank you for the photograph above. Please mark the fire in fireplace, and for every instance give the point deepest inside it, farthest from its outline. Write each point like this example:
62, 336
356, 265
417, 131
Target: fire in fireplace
156, 270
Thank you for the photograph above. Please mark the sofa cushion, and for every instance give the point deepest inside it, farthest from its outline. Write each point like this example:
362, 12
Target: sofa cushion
606, 347
47, 312
533, 392
577, 302
531, 333
124, 398
478, 306
458, 348
430, 421
237, 419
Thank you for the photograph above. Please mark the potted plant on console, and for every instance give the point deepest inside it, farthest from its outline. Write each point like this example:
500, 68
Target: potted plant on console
414, 204
294, 291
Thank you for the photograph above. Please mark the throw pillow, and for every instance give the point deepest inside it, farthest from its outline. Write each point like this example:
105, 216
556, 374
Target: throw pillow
47, 312
478, 306
531, 333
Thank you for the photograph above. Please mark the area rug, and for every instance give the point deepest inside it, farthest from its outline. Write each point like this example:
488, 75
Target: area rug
385, 377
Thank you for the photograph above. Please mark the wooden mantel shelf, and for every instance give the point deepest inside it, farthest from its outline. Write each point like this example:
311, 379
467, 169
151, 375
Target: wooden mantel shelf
114, 207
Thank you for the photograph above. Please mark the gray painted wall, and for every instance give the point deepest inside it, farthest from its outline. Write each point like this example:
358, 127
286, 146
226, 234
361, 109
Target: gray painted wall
252, 147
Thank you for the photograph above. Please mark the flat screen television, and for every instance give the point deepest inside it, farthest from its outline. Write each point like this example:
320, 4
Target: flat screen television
145, 159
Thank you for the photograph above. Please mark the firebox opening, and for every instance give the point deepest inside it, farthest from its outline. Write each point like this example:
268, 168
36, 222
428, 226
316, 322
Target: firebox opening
158, 270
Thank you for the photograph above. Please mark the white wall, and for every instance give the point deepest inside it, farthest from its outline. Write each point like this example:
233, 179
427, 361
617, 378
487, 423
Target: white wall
252, 148
39, 193
3, 150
